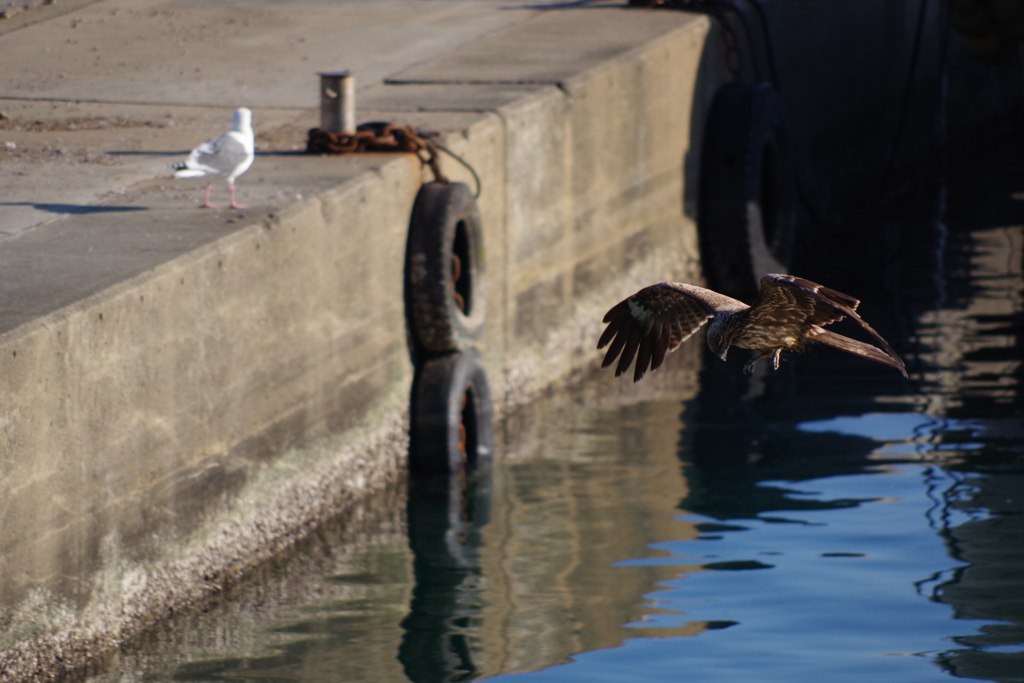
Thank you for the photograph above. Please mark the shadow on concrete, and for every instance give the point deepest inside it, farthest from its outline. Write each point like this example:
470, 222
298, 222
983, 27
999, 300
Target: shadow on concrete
137, 153
575, 4
283, 153
185, 153
78, 209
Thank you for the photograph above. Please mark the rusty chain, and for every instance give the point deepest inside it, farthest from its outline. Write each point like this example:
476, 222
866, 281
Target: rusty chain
378, 137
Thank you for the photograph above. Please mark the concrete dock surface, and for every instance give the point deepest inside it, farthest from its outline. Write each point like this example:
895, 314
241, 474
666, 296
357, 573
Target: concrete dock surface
100, 96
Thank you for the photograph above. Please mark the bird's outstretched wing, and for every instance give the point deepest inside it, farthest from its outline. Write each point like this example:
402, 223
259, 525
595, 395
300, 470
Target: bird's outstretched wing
656, 320
785, 298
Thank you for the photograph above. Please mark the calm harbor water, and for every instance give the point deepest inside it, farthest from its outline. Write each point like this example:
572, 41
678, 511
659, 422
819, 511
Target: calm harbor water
829, 522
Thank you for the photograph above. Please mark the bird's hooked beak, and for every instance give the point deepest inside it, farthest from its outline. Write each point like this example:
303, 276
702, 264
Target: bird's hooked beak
718, 343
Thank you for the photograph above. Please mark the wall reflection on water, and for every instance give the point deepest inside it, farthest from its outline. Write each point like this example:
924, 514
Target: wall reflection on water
976, 347
589, 477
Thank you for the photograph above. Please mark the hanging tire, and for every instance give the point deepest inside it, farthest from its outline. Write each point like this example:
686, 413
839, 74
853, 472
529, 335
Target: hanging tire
747, 213
445, 269
452, 420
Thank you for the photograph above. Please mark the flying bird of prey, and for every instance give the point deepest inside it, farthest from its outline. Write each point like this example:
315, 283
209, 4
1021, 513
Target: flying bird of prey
230, 155
789, 314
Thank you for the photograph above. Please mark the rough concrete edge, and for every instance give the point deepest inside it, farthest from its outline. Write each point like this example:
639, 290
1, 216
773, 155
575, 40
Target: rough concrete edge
518, 383
275, 219
321, 482
65, 313
696, 20
699, 22
581, 334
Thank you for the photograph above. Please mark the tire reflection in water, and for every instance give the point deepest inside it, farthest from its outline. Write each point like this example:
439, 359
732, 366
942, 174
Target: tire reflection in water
452, 438
442, 638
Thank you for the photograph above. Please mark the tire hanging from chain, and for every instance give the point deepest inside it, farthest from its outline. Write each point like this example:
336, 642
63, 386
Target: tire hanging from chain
452, 421
445, 269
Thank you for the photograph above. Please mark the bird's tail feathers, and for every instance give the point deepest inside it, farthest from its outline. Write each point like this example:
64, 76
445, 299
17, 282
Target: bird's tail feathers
857, 348
187, 172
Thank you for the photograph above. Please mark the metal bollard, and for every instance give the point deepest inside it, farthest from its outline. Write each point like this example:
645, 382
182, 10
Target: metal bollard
338, 102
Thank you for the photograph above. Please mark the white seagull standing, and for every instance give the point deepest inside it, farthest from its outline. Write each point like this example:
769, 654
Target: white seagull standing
230, 155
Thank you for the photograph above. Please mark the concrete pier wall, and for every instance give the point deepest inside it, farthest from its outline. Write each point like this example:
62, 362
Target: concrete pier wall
184, 394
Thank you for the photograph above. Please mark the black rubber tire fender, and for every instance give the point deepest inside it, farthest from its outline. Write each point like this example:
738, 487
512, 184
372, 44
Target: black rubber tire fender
746, 217
445, 269
452, 417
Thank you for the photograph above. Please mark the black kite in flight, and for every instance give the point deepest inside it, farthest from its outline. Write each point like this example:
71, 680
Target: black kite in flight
788, 315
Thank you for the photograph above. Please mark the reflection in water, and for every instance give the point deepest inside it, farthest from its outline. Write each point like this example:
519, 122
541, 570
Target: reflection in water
328, 612
442, 640
588, 479
977, 351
